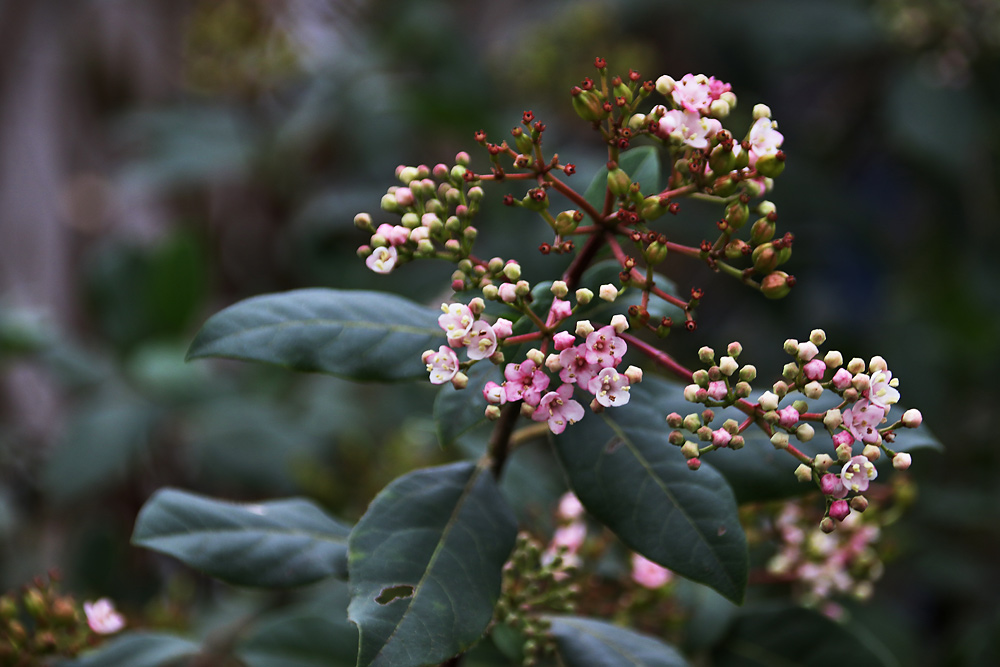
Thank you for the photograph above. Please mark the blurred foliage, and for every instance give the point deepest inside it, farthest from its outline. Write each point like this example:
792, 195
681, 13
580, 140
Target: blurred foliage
287, 118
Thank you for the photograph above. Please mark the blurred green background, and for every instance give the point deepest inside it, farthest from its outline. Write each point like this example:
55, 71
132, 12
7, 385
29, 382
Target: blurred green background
161, 160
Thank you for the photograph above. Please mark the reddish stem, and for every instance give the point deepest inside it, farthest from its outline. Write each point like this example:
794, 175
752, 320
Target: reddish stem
522, 338
574, 197
582, 260
684, 249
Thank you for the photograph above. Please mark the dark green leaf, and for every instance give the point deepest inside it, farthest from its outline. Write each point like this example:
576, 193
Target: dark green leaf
458, 411
445, 533
780, 636
359, 335
274, 544
641, 164
587, 642
628, 476
139, 649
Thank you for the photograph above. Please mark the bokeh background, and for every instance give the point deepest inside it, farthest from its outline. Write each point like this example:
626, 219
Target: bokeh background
160, 160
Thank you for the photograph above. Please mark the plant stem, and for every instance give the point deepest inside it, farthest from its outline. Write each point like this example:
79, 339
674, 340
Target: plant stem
659, 357
499, 445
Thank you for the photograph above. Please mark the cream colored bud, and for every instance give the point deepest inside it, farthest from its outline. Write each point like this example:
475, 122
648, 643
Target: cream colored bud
584, 328
718, 109
690, 393
813, 390
460, 381
833, 359
761, 111
803, 473
728, 365
536, 355
512, 271
817, 336
665, 85
823, 462
729, 97
690, 450
912, 418
766, 207
559, 289
552, 363
871, 452
901, 461
608, 292
807, 350
527, 410
805, 432
491, 292
634, 374
477, 306
768, 401
877, 364
584, 296
791, 346
855, 366
833, 419
780, 440
619, 323
636, 121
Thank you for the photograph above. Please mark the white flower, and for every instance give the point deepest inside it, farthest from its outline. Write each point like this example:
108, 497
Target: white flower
102, 617
382, 259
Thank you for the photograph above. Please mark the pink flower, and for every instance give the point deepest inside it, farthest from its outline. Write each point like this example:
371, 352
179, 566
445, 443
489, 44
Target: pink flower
494, 393
525, 381
764, 139
570, 536
604, 347
717, 390
569, 507
442, 365
382, 259
558, 409
881, 392
648, 574
716, 88
503, 327
563, 340
857, 473
394, 234
832, 485
815, 369
575, 367
481, 340
693, 92
102, 617
788, 416
688, 127
862, 420
559, 311
842, 438
456, 321
610, 388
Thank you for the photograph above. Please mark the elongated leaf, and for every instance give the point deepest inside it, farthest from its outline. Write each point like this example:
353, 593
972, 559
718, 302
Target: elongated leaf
139, 649
359, 335
766, 636
587, 642
642, 164
274, 544
425, 565
630, 477
759, 472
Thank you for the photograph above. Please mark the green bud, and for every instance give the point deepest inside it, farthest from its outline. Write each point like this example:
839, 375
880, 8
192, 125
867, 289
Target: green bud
656, 253
651, 209
770, 165
765, 258
775, 285
589, 106
737, 214
762, 231
721, 159
523, 143
724, 186
619, 182
388, 204
566, 223
621, 90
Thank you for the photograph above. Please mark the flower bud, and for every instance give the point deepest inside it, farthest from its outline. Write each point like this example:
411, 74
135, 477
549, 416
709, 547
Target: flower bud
770, 164
859, 503
737, 442
651, 208
584, 296
833, 418
674, 420
566, 223
706, 355
704, 433
768, 401
877, 364
458, 173
619, 182
861, 382
813, 390
691, 393
718, 109
692, 422
693, 464
588, 105
803, 473
689, 450
807, 351
559, 289
762, 231
912, 418
460, 381
553, 363
822, 462
827, 525
780, 388
805, 432
512, 270
833, 359
536, 355
839, 510
492, 412
491, 292
761, 111
780, 440
748, 373
855, 366
737, 214
665, 85
721, 160
728, 366
584, 328
608, 292
901, 461
700, 377
634, 374
507, 292
522, 288
871, 452
620, 323
775, 285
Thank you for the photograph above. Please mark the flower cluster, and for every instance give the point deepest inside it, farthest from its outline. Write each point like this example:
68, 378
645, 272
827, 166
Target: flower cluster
866, 394
464, 329
823, 565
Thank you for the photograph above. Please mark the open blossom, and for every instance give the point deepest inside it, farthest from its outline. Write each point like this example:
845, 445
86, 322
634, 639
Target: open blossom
604, 347
688, 127
648, 574
442, 365
456, 320
610, 388
575, 367
882, 389
857, 473
481, 340
102, 617
559, 409
764, 139
525, 381
693, 92
862, 420
494, 393
382, 260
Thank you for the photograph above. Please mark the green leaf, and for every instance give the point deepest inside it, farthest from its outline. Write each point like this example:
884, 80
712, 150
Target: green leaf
359, 335
587, 642
758, 472
630, 477
139, 649
425, 563
274, 544
642, 164
780, 636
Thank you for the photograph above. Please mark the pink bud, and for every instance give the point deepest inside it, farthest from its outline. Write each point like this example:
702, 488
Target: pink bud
788, 416
404, 197
842, 379
832, 485
839, 510
503, 328
843, 438
508, 293
694, 464
563, 340
815, 369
